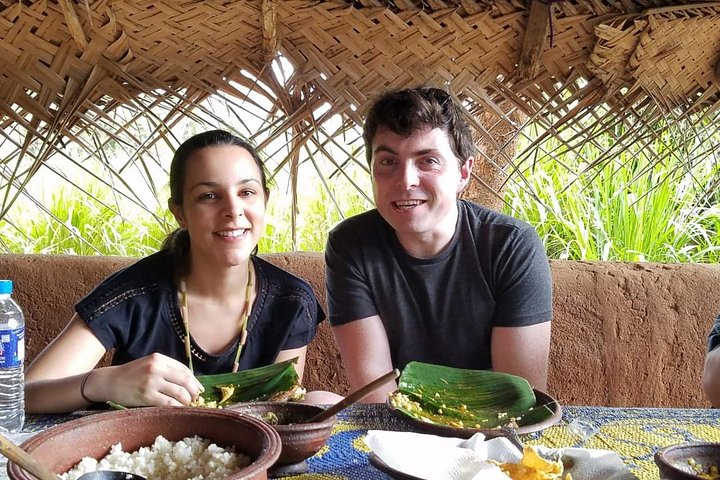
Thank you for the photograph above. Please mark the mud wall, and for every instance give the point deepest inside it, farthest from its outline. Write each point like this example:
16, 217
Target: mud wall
624, 334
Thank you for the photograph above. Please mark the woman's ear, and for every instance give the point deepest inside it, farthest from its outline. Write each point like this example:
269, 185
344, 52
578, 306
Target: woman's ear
177, 212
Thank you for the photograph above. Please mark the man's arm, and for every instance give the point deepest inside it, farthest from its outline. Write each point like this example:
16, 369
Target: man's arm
523, 351
365, 351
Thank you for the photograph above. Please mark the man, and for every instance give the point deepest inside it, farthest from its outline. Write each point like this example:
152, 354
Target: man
711, 371
426, 276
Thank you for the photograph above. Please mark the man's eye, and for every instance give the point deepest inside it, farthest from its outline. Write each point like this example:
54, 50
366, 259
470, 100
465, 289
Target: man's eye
207, 196
385, 162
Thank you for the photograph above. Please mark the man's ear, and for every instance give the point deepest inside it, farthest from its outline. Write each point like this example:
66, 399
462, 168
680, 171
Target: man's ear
465, 173
176, 210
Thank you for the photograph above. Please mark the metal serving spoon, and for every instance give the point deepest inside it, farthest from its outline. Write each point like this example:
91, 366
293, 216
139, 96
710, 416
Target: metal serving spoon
31, 465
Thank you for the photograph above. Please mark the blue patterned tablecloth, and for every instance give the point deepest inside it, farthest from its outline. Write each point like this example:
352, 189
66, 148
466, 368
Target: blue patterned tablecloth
634, 433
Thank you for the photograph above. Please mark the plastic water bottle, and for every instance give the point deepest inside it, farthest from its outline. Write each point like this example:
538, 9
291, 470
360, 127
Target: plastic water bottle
12, 355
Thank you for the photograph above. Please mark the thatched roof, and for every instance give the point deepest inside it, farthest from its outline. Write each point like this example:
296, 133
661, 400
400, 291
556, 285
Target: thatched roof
66, 66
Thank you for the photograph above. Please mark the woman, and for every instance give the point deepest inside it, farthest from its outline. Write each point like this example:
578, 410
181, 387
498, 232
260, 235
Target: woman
204, 304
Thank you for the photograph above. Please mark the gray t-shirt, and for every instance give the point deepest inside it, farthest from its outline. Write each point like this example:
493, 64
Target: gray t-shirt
440, 310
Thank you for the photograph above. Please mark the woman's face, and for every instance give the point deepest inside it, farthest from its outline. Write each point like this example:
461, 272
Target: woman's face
224, 205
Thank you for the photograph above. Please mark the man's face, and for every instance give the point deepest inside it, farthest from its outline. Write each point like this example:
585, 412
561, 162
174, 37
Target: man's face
416, 181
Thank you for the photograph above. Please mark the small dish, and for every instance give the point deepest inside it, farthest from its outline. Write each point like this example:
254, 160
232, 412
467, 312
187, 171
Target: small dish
675, 461
376, 462
300, 440
543, 399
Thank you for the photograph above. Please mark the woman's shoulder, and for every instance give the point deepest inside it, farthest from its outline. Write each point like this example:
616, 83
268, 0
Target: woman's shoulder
147, 276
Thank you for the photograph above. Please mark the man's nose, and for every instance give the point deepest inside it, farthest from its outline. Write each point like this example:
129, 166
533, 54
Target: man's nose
409, 175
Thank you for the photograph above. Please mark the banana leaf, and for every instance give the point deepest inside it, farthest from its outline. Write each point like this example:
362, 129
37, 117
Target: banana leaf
255, 384
466, 398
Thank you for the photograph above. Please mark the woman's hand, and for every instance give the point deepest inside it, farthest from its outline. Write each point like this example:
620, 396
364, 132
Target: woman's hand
154, 380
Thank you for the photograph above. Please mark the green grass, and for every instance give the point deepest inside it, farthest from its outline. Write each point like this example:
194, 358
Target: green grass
80, 225
629, 210
86, 225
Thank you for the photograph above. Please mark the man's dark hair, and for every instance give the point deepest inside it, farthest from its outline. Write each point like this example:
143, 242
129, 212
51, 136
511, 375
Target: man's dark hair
408, 110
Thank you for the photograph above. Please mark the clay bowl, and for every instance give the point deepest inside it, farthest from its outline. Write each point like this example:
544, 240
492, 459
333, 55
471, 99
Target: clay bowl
61, 447
674, 461
299, 440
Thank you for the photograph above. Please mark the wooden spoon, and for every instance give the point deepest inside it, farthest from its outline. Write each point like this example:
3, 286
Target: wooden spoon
355, 396
31, 465
25, 460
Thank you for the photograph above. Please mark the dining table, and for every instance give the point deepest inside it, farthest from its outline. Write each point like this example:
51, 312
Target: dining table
635, 434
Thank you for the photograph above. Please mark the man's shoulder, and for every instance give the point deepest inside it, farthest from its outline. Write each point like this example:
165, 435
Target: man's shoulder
479, 215
356, 224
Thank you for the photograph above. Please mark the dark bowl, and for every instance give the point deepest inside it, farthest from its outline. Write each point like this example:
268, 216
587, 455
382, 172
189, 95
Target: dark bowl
61, 447
542, 399
299, 440
674, 461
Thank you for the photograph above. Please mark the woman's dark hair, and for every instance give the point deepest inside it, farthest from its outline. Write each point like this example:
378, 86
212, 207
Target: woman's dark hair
178, 241
406, 111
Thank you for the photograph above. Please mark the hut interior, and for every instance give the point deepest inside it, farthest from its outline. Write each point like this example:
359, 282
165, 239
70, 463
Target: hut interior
86, 81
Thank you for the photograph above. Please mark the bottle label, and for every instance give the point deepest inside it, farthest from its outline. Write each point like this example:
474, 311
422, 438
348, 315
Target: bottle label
12, 347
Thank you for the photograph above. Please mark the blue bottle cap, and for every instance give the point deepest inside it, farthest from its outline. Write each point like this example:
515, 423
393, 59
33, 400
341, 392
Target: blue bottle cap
6, 286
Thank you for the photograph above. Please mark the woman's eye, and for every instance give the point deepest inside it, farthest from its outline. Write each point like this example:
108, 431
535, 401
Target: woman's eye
247, 193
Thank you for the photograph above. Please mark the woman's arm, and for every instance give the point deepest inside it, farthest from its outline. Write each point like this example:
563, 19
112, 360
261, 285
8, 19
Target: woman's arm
300, 353
54, 379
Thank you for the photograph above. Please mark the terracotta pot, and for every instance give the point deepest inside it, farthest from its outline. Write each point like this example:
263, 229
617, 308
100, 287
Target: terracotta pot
63, 446
299, 440
674, 461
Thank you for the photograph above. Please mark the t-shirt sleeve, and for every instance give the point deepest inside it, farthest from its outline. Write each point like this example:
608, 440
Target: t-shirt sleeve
348, 293
106, 314
303, 326
713, 340
524, 282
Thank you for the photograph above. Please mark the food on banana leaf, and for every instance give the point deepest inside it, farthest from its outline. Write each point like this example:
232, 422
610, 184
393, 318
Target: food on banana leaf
277, 382
463, 398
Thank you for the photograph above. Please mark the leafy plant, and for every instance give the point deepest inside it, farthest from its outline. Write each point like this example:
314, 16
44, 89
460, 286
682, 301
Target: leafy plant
631, 209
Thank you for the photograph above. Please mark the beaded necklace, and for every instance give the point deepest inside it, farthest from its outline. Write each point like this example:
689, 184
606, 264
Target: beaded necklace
243, 319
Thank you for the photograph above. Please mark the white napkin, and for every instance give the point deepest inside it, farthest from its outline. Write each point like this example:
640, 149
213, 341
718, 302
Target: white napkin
433, 458
438, 458
591, 464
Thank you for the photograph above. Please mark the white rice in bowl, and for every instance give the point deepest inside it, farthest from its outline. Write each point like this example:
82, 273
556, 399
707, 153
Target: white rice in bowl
192, 458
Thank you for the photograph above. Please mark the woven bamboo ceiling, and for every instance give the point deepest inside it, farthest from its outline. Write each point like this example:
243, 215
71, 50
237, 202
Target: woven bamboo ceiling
66, 67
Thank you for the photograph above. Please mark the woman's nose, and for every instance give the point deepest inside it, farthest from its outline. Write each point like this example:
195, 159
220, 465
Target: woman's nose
233, 207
